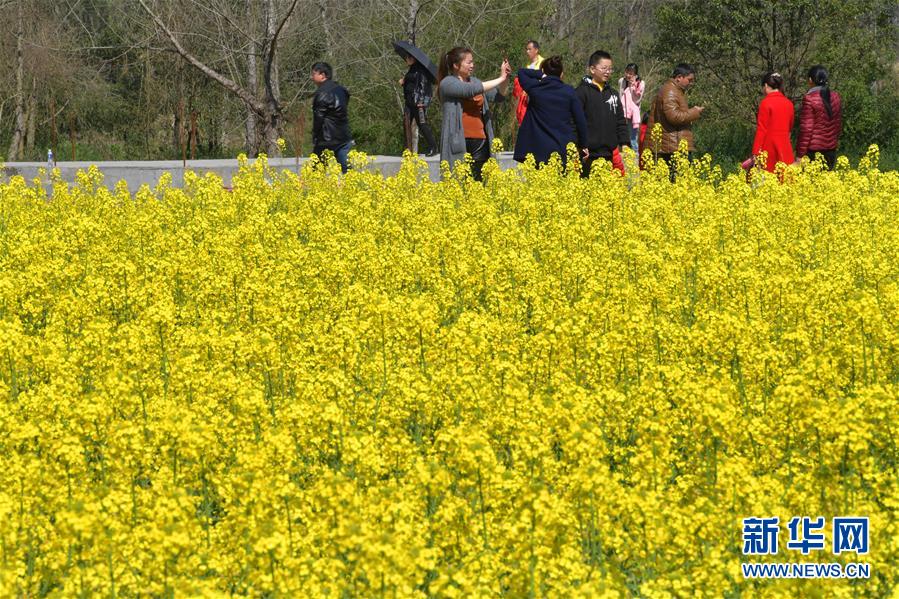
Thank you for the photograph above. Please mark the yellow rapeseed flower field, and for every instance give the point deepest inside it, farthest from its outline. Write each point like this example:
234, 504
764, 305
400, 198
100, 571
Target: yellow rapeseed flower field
362, 386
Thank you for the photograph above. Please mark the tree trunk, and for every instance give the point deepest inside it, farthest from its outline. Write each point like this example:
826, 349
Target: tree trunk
218, 141
15, 145
271, 26
144, 85
53, 134
271, 119
563, 17
222, 136
72, 124
270, 133
194, 134
250, 124
176, 127
412, 21
326, 27
32, 112
600, 16
896, 27
179, 107
182, 140
631, 23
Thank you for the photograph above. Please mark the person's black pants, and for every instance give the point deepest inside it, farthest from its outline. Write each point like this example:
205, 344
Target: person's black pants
416, 114
587, 163
480, 154
672, 166
830, 157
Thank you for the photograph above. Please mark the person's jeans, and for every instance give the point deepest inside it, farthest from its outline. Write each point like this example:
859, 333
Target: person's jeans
635, 139
342, 153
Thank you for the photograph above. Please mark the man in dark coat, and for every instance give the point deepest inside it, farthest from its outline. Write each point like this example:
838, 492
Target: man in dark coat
554, 117
417, 96
606, 125
330, 121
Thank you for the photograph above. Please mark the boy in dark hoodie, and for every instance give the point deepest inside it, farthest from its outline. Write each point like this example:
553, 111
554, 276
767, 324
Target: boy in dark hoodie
607, 129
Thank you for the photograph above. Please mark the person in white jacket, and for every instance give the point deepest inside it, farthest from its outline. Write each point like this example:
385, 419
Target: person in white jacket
632, 87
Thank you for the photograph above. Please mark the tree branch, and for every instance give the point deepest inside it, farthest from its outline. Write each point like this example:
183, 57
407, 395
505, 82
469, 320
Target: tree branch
269, 50
228, 84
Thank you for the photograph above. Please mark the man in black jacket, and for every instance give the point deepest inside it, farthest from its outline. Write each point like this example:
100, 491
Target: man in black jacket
607, 128
330, 123
417, 96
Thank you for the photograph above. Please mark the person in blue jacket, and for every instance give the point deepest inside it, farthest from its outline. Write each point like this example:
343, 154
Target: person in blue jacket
554, 118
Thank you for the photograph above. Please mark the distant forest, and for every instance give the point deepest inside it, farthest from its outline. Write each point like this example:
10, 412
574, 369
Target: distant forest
158, 79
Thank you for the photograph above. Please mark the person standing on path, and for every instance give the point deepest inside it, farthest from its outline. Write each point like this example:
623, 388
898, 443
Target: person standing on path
554, 117
330, 119
532, 50
607, 129
775, 121
632, 87
467, 126
671, 111
820, 119
417, 92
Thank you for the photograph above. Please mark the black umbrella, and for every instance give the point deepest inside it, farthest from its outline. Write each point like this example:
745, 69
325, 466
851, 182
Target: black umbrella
405, 49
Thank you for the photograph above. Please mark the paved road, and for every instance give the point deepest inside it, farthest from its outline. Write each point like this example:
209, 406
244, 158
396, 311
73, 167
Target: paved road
136, 173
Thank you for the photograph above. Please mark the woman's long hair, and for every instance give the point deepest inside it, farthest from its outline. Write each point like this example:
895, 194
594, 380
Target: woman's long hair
818, 75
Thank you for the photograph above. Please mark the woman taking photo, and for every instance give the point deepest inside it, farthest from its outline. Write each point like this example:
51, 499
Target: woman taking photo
466, 112
632, 88
775, 121
820, 119
552, 108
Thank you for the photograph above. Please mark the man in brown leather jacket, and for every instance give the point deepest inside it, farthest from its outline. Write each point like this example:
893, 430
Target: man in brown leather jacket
671, 111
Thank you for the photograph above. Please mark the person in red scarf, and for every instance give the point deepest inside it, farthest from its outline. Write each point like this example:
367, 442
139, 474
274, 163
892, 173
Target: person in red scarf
532, 49
775, 121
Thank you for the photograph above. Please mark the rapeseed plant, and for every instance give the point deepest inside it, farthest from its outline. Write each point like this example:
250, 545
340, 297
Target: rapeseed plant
363, 386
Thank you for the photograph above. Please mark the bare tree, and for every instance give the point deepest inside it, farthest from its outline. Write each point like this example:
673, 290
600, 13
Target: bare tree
632, 18
252, 81
15, 146
265, 106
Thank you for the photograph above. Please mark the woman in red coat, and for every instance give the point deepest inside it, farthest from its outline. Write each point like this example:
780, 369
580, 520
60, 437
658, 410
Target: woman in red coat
775, 121
820, 120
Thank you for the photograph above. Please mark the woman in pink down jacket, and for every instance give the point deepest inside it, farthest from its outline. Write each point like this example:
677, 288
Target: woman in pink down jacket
631, 89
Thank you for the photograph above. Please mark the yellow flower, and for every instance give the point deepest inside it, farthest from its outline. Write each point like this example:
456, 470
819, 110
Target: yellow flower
355, 385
